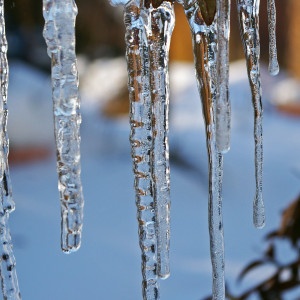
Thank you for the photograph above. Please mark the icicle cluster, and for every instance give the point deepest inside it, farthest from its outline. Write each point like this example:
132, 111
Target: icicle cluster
59, 35
148, 32
8, 275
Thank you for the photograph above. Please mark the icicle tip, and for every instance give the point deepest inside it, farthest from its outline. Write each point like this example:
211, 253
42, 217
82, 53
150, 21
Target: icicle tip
274, 68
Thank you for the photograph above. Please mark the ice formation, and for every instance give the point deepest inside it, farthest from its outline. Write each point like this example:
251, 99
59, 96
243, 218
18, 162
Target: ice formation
149, 25
8, 275
59, 34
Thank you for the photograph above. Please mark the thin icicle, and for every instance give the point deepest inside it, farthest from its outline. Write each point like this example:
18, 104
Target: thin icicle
205, 54
8, 274
223, 110
273, 62
9, 280
59, 34
6, 190
137, 20
248, 12
162, 24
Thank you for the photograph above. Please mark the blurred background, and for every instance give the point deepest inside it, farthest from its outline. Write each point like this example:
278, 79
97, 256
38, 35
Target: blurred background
108, 264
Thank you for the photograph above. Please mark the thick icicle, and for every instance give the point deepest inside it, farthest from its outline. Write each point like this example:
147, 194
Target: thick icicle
273, 62
162, 24
137, 20
223, 110
248, 11
8, 275
60, 38
205, 54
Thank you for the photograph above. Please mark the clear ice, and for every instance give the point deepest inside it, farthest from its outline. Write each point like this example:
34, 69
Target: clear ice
59, 34
273, 62
6, 190
148, 32
248, 13
162, 24
223, 109
8, 275
138, 63
205, 44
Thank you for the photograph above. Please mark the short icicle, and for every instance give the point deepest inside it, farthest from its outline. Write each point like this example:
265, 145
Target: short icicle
162, 24
205, 54
273, 62
8, 274
248, 12
59, 34
137, 20
223, 109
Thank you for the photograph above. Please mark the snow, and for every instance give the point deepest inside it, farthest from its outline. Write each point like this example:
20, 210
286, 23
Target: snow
108, 264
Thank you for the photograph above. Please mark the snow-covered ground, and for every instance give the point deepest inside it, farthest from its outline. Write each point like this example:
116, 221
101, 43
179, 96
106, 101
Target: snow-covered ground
108, 264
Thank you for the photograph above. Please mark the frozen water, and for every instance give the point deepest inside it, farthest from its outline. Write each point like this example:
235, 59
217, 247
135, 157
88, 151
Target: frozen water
59, 35
5, 188
118, 2
162, 23
138, 65
205, 54
223, 110
8, 275
248, 12
273, 62
9, 280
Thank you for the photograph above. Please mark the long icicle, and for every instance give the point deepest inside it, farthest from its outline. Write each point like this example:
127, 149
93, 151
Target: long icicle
273, 62
138, 64
162, 24
248, 12
8, 274
205, 54
8, 203
223, 110
59, 34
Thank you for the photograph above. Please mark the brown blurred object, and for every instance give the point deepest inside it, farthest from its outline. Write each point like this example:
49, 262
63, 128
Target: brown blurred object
117, 106
292, 31
28, 154
99, 27
292, 109
181, 42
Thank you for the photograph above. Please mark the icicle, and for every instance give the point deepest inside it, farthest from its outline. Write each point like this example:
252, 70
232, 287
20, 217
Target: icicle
8, 275
248, 11
205, 53
273, 62
223, 111
9, 281
6, 190
137, 20
60, 38
162, 24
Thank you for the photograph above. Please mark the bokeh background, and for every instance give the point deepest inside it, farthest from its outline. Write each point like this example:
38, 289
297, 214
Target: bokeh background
108, 264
